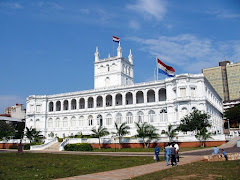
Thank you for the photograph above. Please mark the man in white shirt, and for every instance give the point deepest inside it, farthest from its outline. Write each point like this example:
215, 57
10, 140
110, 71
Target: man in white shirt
177, 150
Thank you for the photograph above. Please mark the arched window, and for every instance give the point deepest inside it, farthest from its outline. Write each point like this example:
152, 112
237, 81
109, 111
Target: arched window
109, 100
73, 121
99, 120
139, 97
109, 119
108, 68
38, 124
58, 106
119, 118
184, 112
140, 117
151, 96
65, 122
73, 104
129, 118
65, 105
57, 122
81, 121
90, 120
129, 98
90, 102
107, 81
163, 115
118, 100
82, 103
50, 109
50, 123
99, 101
151, 116
162, 94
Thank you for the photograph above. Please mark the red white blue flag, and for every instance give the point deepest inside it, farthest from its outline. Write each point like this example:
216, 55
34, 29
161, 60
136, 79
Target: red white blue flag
164, 69
116, 39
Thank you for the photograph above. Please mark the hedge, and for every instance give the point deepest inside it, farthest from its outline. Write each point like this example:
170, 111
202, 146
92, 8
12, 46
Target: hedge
78, 147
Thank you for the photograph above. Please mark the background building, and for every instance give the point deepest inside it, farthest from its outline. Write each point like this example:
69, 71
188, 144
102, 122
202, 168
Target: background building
17, 111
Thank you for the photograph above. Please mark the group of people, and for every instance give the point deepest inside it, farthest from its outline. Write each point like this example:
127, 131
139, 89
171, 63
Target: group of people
216, 151
170, 152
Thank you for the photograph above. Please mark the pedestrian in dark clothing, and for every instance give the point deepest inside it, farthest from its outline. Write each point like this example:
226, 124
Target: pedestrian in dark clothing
225, 154
157, 151
173, 155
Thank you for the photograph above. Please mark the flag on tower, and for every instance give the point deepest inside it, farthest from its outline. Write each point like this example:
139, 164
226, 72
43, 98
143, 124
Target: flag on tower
164, 69
116, 39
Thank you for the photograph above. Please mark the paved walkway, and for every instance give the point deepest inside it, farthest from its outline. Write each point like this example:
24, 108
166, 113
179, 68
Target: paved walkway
128, 173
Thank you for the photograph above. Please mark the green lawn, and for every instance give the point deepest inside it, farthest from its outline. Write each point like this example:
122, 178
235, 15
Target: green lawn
49, 166
198, 170
182, 149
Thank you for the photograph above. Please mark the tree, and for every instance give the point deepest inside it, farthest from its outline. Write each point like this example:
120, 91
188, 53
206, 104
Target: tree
19, 134
100, 132
33, 135
6, 130
203, 135
122, 130
194, 121
171, 133
233, 115
152, 134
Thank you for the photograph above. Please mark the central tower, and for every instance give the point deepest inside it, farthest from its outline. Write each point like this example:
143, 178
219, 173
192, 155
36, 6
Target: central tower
113, 71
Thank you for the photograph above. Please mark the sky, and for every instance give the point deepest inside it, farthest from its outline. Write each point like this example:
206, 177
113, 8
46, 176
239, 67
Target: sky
47, 47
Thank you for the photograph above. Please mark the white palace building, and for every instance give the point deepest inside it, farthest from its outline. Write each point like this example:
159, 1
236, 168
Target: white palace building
115, 98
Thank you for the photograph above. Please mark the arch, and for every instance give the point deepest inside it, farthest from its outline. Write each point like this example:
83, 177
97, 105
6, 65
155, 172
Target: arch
184, 111
65, 122
90, 102
163, 115
99, 120
114, 67
99, 101
108, 100
82, 103
90, 120
162, 94
107, 81
73, 104
139, 97
65, 105
140, 117
57, 122
58, 106
37, 124
129, 118
50, 107
151, 116
119, 118
151, 96
50, 123
73, 121
129, 98
109, 119
118, 99
81, 121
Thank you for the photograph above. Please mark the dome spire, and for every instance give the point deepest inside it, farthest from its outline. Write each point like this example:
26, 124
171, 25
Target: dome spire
97, 55
130, 57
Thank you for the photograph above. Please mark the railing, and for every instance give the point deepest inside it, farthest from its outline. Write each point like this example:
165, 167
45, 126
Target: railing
64, 143
43, 146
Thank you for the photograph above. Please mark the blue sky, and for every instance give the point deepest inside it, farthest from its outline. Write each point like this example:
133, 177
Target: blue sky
47, 47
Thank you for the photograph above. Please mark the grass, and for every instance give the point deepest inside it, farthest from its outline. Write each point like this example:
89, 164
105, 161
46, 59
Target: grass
182, 149
49, 166
199, 170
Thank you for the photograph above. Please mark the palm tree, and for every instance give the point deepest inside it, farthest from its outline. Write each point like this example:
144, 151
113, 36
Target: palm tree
171, 133
33, 135
121, 131
142, 131
203, 135
152, 134
100, 132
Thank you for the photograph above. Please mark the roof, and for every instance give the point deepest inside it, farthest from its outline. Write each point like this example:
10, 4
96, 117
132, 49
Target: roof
4, 118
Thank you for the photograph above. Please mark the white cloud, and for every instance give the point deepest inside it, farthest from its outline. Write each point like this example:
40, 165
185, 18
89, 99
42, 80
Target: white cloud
150, 8
52, 5
224, 14
11, 5
190, 52
10, 100
134, 25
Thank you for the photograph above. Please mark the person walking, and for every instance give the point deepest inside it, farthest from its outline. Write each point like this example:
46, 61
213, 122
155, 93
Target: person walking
173, 156
157, 151
177, 150
225, 154
167, 153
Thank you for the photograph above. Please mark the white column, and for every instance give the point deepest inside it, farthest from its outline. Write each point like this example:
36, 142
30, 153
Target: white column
145, 96
113, 99
86, 102
156, 95
104, 100
77, 103
124, 99
134, 97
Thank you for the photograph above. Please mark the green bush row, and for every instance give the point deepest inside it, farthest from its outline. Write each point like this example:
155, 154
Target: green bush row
78, 147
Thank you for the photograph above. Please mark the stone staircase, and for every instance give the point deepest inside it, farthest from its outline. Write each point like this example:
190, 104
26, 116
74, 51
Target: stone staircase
54, 147
230, 143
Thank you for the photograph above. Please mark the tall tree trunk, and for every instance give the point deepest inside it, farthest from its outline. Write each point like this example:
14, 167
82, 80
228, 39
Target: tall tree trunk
119, 146
144, 143
99, 147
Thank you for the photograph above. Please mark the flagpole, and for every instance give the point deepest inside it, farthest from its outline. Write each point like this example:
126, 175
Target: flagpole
113, 48
157, 67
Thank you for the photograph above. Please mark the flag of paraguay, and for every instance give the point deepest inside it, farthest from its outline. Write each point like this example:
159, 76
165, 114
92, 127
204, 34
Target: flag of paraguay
116, 39
164, 69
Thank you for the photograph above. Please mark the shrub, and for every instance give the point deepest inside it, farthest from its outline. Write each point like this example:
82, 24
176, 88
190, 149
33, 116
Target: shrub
60, 139
14, 146
78, 147
26, 146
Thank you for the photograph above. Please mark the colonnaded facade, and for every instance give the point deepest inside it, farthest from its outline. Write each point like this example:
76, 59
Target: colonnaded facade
115, 98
